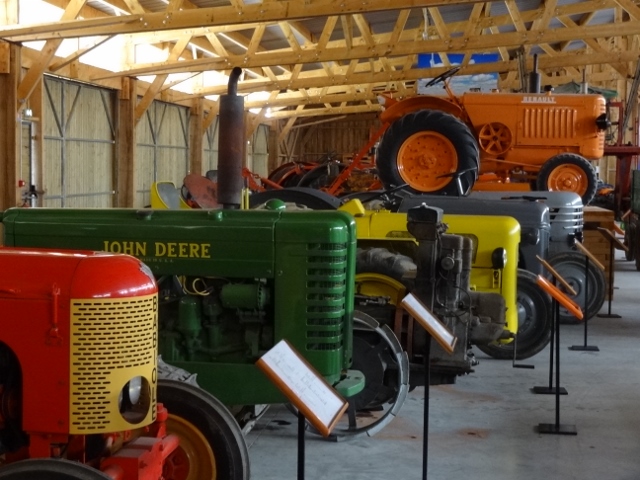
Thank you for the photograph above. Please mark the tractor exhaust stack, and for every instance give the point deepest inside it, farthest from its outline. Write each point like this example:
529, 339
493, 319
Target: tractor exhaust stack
231, 144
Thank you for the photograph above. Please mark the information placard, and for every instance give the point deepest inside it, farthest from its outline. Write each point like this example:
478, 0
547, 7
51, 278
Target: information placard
592, 258
557, 276
615, 241
305, 388
559, 295
428, 320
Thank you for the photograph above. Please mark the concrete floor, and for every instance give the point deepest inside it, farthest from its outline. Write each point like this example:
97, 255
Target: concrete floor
485, 426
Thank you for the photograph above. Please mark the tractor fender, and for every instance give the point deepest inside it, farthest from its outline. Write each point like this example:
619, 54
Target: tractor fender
398, 109
308, 197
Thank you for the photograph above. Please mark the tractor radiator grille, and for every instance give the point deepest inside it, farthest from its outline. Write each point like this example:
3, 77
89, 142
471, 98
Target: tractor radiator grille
326, 291
113, 340
552, 123
566, 220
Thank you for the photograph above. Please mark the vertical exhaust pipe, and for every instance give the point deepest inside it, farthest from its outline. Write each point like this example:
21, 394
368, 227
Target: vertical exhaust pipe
534, 77
231, 144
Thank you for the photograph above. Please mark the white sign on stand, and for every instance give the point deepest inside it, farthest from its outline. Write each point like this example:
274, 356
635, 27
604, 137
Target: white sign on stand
429, 322
303, 386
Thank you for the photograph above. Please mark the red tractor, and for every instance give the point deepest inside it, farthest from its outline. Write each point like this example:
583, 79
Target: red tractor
79, 391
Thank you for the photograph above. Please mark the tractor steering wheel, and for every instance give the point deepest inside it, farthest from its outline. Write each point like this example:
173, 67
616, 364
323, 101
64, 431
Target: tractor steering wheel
443, 76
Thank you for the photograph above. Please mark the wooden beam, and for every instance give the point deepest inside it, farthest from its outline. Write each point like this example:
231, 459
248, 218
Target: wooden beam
381, 49
157, 83
8, 12
34, 74
5, 57
319, 80
126, 145
318, 112
58, 64
10, 132
212, 113
212, 16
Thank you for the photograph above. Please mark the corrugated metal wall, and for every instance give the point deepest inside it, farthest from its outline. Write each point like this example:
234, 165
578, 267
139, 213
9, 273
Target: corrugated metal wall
79, 146
26, 174
162, 147
258, 151
79, 141
210, 145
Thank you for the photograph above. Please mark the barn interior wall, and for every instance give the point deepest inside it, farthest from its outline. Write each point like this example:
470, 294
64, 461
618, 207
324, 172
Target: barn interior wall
343, 137
79, 135
162, 151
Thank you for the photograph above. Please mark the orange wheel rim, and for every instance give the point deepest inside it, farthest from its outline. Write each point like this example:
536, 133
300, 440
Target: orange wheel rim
568, 178
495, 138
193, 459
424, 158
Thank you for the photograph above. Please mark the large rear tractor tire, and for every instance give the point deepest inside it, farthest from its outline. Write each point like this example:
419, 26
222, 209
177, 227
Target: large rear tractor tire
212, 446
534, 322
428, 150
571, 267
569, 172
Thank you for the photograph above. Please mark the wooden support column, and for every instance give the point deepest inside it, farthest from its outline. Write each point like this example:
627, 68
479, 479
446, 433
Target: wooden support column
196, 136
125, 162
11, 127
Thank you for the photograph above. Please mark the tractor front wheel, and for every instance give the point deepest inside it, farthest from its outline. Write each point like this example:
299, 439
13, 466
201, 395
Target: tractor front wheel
590, 286
212, 446
50, 469
568, 172
430, 151
534, 322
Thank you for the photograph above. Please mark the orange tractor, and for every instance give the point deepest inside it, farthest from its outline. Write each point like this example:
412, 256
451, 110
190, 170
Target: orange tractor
492, 141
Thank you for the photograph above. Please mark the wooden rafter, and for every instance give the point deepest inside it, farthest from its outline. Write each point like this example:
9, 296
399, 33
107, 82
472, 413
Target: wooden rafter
333, 57
47, 54
213, 16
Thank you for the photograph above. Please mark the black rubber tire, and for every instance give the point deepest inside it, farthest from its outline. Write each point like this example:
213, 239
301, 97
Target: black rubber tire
50, 469
542, 181
308, 197
392, 265
629, 242
571, 267
636, 248
215, 423
283, 176
534, 322
446, 125
382, 261
321, 176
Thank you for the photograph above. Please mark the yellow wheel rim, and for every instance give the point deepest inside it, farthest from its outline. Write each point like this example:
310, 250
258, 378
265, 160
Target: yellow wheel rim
193, 459
424, 157
377, 285
568, 178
